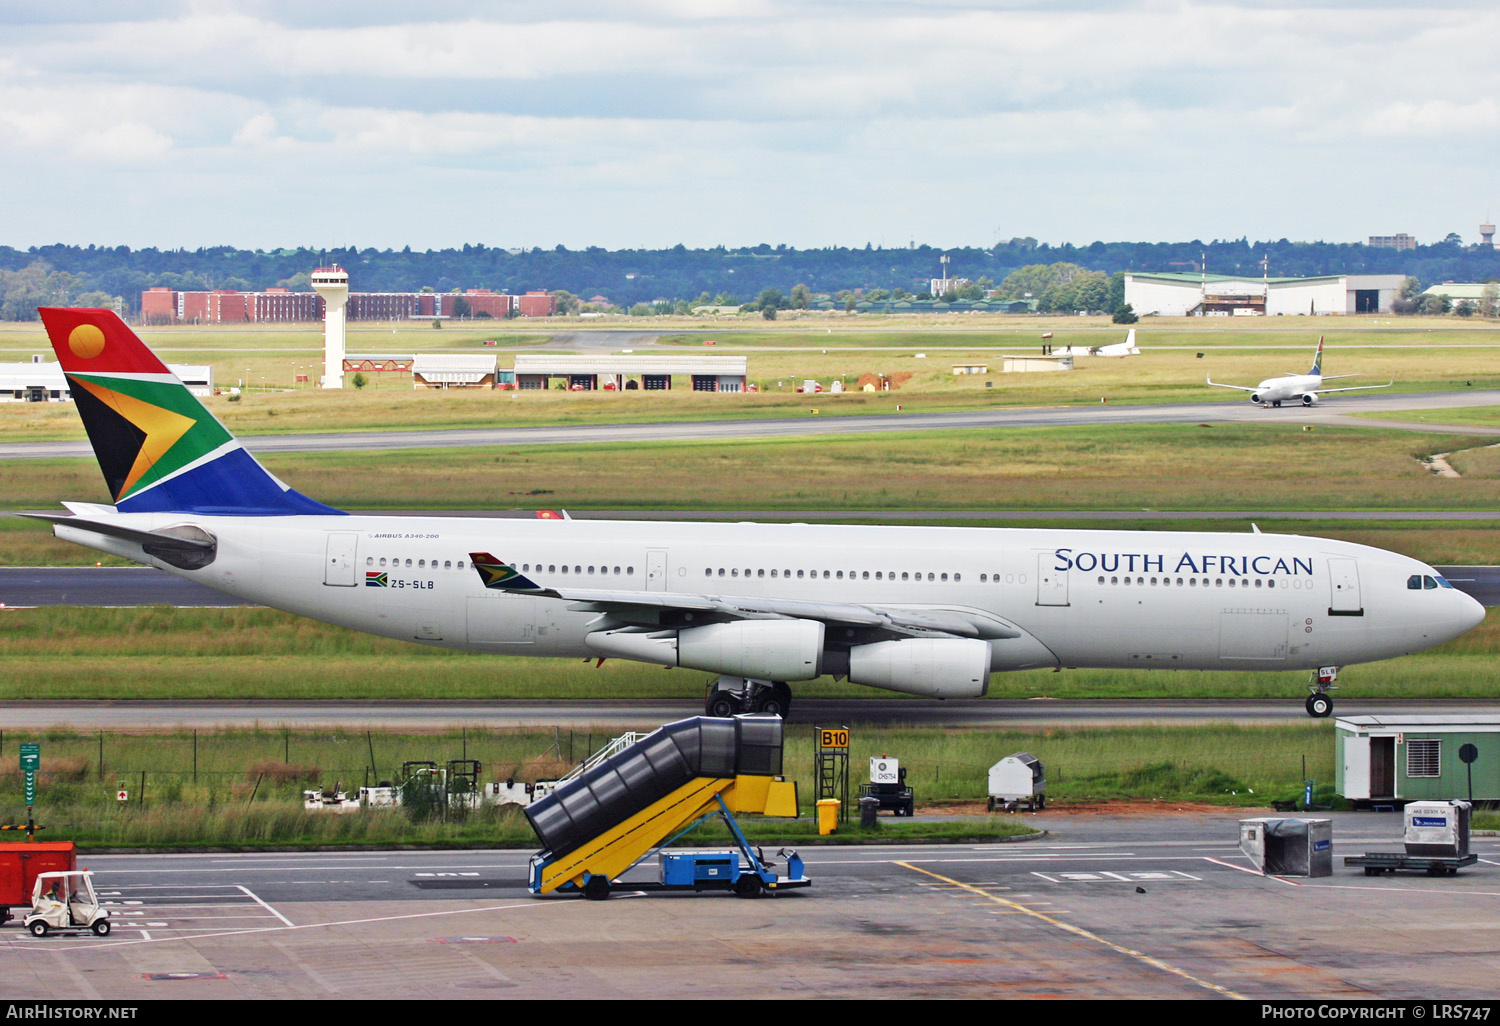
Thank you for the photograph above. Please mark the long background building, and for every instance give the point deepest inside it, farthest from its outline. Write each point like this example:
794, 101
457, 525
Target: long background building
162, 305
1219, 295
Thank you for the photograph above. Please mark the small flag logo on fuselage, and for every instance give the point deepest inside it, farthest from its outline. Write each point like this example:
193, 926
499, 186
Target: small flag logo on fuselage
376, 579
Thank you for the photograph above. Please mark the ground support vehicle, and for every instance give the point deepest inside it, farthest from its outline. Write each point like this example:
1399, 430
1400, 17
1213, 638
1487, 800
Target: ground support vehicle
604, 822
745, 871
888, 787
1377, 862
20, 864
66, 903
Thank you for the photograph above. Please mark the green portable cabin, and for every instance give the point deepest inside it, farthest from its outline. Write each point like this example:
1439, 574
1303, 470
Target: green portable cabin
1416, 757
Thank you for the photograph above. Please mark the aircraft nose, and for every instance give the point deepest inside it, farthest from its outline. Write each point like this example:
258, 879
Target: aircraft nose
1470, 612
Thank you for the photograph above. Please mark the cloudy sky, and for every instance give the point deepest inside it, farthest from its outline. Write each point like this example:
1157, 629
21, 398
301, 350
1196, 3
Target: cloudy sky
735, 122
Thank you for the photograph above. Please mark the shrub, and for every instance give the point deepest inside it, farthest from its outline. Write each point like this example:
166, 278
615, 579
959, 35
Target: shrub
279, 772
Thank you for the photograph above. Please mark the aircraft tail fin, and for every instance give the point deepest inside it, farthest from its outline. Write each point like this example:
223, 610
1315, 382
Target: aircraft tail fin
158, 447
1317, 367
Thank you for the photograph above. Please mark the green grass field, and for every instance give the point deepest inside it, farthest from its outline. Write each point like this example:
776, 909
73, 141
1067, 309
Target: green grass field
161, 653
243, 789
1421, 354
1165, 467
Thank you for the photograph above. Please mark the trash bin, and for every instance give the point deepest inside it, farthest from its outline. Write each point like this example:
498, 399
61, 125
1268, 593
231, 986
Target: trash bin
828, 815
869, 812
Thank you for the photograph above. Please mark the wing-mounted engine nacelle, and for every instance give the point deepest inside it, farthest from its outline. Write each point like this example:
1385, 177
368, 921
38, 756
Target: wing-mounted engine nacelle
1308, 398
933, 667
761, 649
1255, 398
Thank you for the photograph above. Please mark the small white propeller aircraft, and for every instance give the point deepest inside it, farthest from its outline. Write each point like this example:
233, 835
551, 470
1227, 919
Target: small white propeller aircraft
1303, 388
1126, 348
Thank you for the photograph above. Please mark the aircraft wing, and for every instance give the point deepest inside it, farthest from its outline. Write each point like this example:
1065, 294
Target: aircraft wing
660, 609
1220, 384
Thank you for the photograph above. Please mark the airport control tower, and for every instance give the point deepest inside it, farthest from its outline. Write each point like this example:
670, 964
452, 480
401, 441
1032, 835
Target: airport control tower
1487, 234
332, 283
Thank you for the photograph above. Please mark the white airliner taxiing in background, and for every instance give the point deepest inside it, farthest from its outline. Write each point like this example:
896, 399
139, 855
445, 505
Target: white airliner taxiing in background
928, 611
1303, 388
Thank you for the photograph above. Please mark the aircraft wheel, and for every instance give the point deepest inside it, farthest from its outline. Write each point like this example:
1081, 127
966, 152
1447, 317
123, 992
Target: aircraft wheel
775, 700
101, 928
721, 704
38, 928
747, 886
1319, 705
596, 888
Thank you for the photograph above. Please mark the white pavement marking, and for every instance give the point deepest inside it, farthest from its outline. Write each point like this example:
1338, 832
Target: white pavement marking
1252, 872
268, 908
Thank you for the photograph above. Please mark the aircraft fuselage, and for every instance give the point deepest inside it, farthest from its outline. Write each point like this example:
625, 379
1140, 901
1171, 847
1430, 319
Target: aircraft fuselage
1042, 598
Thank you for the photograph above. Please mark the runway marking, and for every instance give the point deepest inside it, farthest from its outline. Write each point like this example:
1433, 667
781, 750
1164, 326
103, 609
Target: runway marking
343, 922
1252, 872
255, 898
1079, 931
1422, 892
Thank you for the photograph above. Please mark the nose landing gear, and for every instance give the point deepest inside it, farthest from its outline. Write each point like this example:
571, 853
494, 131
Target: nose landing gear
1320, 702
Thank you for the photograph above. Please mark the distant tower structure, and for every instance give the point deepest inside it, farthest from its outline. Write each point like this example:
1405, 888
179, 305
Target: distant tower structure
1487, 235
332, 283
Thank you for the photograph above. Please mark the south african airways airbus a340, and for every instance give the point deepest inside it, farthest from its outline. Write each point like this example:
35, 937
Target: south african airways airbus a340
923, 610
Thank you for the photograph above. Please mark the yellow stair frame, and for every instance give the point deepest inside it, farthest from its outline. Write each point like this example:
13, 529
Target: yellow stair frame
622, 846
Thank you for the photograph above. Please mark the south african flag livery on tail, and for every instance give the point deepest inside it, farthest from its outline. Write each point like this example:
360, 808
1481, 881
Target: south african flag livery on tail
160, 450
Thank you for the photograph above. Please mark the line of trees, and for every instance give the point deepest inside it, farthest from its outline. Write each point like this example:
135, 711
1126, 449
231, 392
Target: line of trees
1064, 277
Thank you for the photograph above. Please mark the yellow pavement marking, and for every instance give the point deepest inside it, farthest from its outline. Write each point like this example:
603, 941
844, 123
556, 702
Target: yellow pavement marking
1078, 931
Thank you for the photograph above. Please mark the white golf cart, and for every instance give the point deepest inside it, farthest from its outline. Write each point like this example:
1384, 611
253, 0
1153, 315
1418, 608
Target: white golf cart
66, 902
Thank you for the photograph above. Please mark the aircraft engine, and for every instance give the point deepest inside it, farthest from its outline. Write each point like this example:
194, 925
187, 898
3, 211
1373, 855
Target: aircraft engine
1308, 398
934, 667
1255, 398
762, 649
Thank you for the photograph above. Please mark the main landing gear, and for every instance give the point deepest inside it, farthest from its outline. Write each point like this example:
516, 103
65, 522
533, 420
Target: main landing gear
728, 696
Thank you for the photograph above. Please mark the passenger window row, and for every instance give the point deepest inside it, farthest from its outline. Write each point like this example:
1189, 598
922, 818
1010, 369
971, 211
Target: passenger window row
420, 564
829, 575
1190, 582
563, 568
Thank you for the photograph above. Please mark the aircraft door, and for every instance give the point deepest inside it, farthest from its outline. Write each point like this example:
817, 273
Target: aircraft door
1343, 582
656, 570
1051, 583
338, 566
1356, 780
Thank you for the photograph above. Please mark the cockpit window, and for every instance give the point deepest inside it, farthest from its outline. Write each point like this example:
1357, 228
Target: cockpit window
1426, 582
1443, 582
1429, 583
1414, 582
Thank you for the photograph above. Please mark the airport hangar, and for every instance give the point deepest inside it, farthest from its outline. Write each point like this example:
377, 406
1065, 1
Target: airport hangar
1184, 294
628, 373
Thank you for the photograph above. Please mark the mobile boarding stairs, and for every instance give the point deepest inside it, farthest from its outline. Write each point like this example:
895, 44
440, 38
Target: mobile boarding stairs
633, 804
